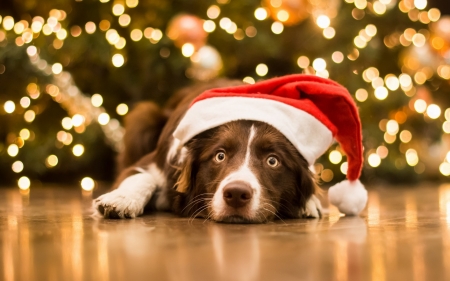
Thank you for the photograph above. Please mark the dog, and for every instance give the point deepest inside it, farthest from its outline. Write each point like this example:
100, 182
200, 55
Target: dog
240, 172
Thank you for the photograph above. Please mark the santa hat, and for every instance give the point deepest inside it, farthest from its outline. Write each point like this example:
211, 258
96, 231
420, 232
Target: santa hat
308, 110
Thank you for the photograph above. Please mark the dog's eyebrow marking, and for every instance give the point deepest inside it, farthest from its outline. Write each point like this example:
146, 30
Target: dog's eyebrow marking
250, 139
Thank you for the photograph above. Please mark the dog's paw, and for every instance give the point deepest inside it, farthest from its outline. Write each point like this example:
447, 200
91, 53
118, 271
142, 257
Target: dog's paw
313, 208
116, 205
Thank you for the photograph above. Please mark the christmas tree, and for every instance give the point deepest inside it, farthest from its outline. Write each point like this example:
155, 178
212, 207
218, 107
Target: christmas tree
70, 70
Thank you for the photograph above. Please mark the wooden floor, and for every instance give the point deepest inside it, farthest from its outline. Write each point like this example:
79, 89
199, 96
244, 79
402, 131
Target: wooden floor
48, 234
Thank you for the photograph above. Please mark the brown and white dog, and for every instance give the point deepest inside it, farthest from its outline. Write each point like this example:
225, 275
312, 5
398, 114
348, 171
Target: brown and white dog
239, 172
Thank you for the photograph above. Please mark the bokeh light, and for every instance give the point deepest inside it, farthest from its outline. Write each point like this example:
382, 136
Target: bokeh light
118, 60
420, 106
381, 93
277, 27
327, 175
323, 21
392, 127
382, 151
17, 167
96, 100
187, 49
78, 150
433, 111
248, 80
66, 123
374, 160
262, 69
260, 14
209, 26
136, 35
118, 9
420, 4
29, 116
51, 161
77, 120
25, 102
337, 57
303, 61
57, 68
405, 136
335, 157
214, 11
344, 168
13, 150
9, 106
122, 109
411, 157
87, 184
319, 64
24, 183
103, 118
361, 95
25, 134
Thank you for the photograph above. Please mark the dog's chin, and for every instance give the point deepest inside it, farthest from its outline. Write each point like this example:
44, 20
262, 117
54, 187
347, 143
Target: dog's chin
236, 219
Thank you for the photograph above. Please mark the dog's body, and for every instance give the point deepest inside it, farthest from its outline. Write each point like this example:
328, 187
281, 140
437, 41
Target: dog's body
242, 171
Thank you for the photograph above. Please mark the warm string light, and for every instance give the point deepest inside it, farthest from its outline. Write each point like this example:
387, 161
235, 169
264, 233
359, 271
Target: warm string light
67, 94
87, 184
83, 109
390, 82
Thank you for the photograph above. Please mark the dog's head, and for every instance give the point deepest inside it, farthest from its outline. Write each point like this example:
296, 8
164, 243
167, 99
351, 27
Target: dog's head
243, 171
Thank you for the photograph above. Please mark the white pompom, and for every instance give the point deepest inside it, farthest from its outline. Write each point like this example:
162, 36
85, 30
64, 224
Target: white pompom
350, 197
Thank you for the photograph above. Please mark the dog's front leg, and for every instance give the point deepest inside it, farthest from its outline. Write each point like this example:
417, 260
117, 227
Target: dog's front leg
130, 198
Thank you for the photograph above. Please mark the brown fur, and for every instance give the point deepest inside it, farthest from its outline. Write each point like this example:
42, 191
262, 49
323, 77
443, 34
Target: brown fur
143, 127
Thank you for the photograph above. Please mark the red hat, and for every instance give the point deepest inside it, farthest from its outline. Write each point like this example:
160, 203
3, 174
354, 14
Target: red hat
308, 110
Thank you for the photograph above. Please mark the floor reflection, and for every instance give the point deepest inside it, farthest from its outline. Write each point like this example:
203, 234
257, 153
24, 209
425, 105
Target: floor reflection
236, 257
373, 209
48, 234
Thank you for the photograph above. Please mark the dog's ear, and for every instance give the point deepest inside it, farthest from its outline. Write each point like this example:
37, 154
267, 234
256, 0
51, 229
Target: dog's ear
185, 178
306, 183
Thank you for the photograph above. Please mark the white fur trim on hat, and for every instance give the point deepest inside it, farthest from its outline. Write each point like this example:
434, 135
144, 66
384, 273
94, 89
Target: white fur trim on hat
350, 197
310, 136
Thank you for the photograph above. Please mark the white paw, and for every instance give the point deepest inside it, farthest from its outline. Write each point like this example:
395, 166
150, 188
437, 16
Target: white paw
117, 204
313, 208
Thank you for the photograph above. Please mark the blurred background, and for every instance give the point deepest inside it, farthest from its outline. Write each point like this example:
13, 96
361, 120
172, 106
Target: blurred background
70, 70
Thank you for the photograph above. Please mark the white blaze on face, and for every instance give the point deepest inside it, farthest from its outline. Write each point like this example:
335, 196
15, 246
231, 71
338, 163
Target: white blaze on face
244, 174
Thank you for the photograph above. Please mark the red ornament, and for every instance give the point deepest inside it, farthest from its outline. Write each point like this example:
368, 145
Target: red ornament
187, 29
290, 12
442, 28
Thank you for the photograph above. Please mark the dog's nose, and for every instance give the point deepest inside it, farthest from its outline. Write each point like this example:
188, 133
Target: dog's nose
237, 194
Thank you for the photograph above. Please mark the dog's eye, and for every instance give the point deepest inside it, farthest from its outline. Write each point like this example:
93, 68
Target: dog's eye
220, 156
272, 161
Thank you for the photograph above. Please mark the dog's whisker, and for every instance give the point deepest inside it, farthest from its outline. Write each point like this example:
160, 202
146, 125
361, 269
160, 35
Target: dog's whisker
202, 194
196, 201
258, 215
273, 212
280, 204
197, 212
265, 217
209, 215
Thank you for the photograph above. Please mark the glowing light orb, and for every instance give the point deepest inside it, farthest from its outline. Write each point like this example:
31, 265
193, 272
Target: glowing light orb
87, 184
24, 183
262, 69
